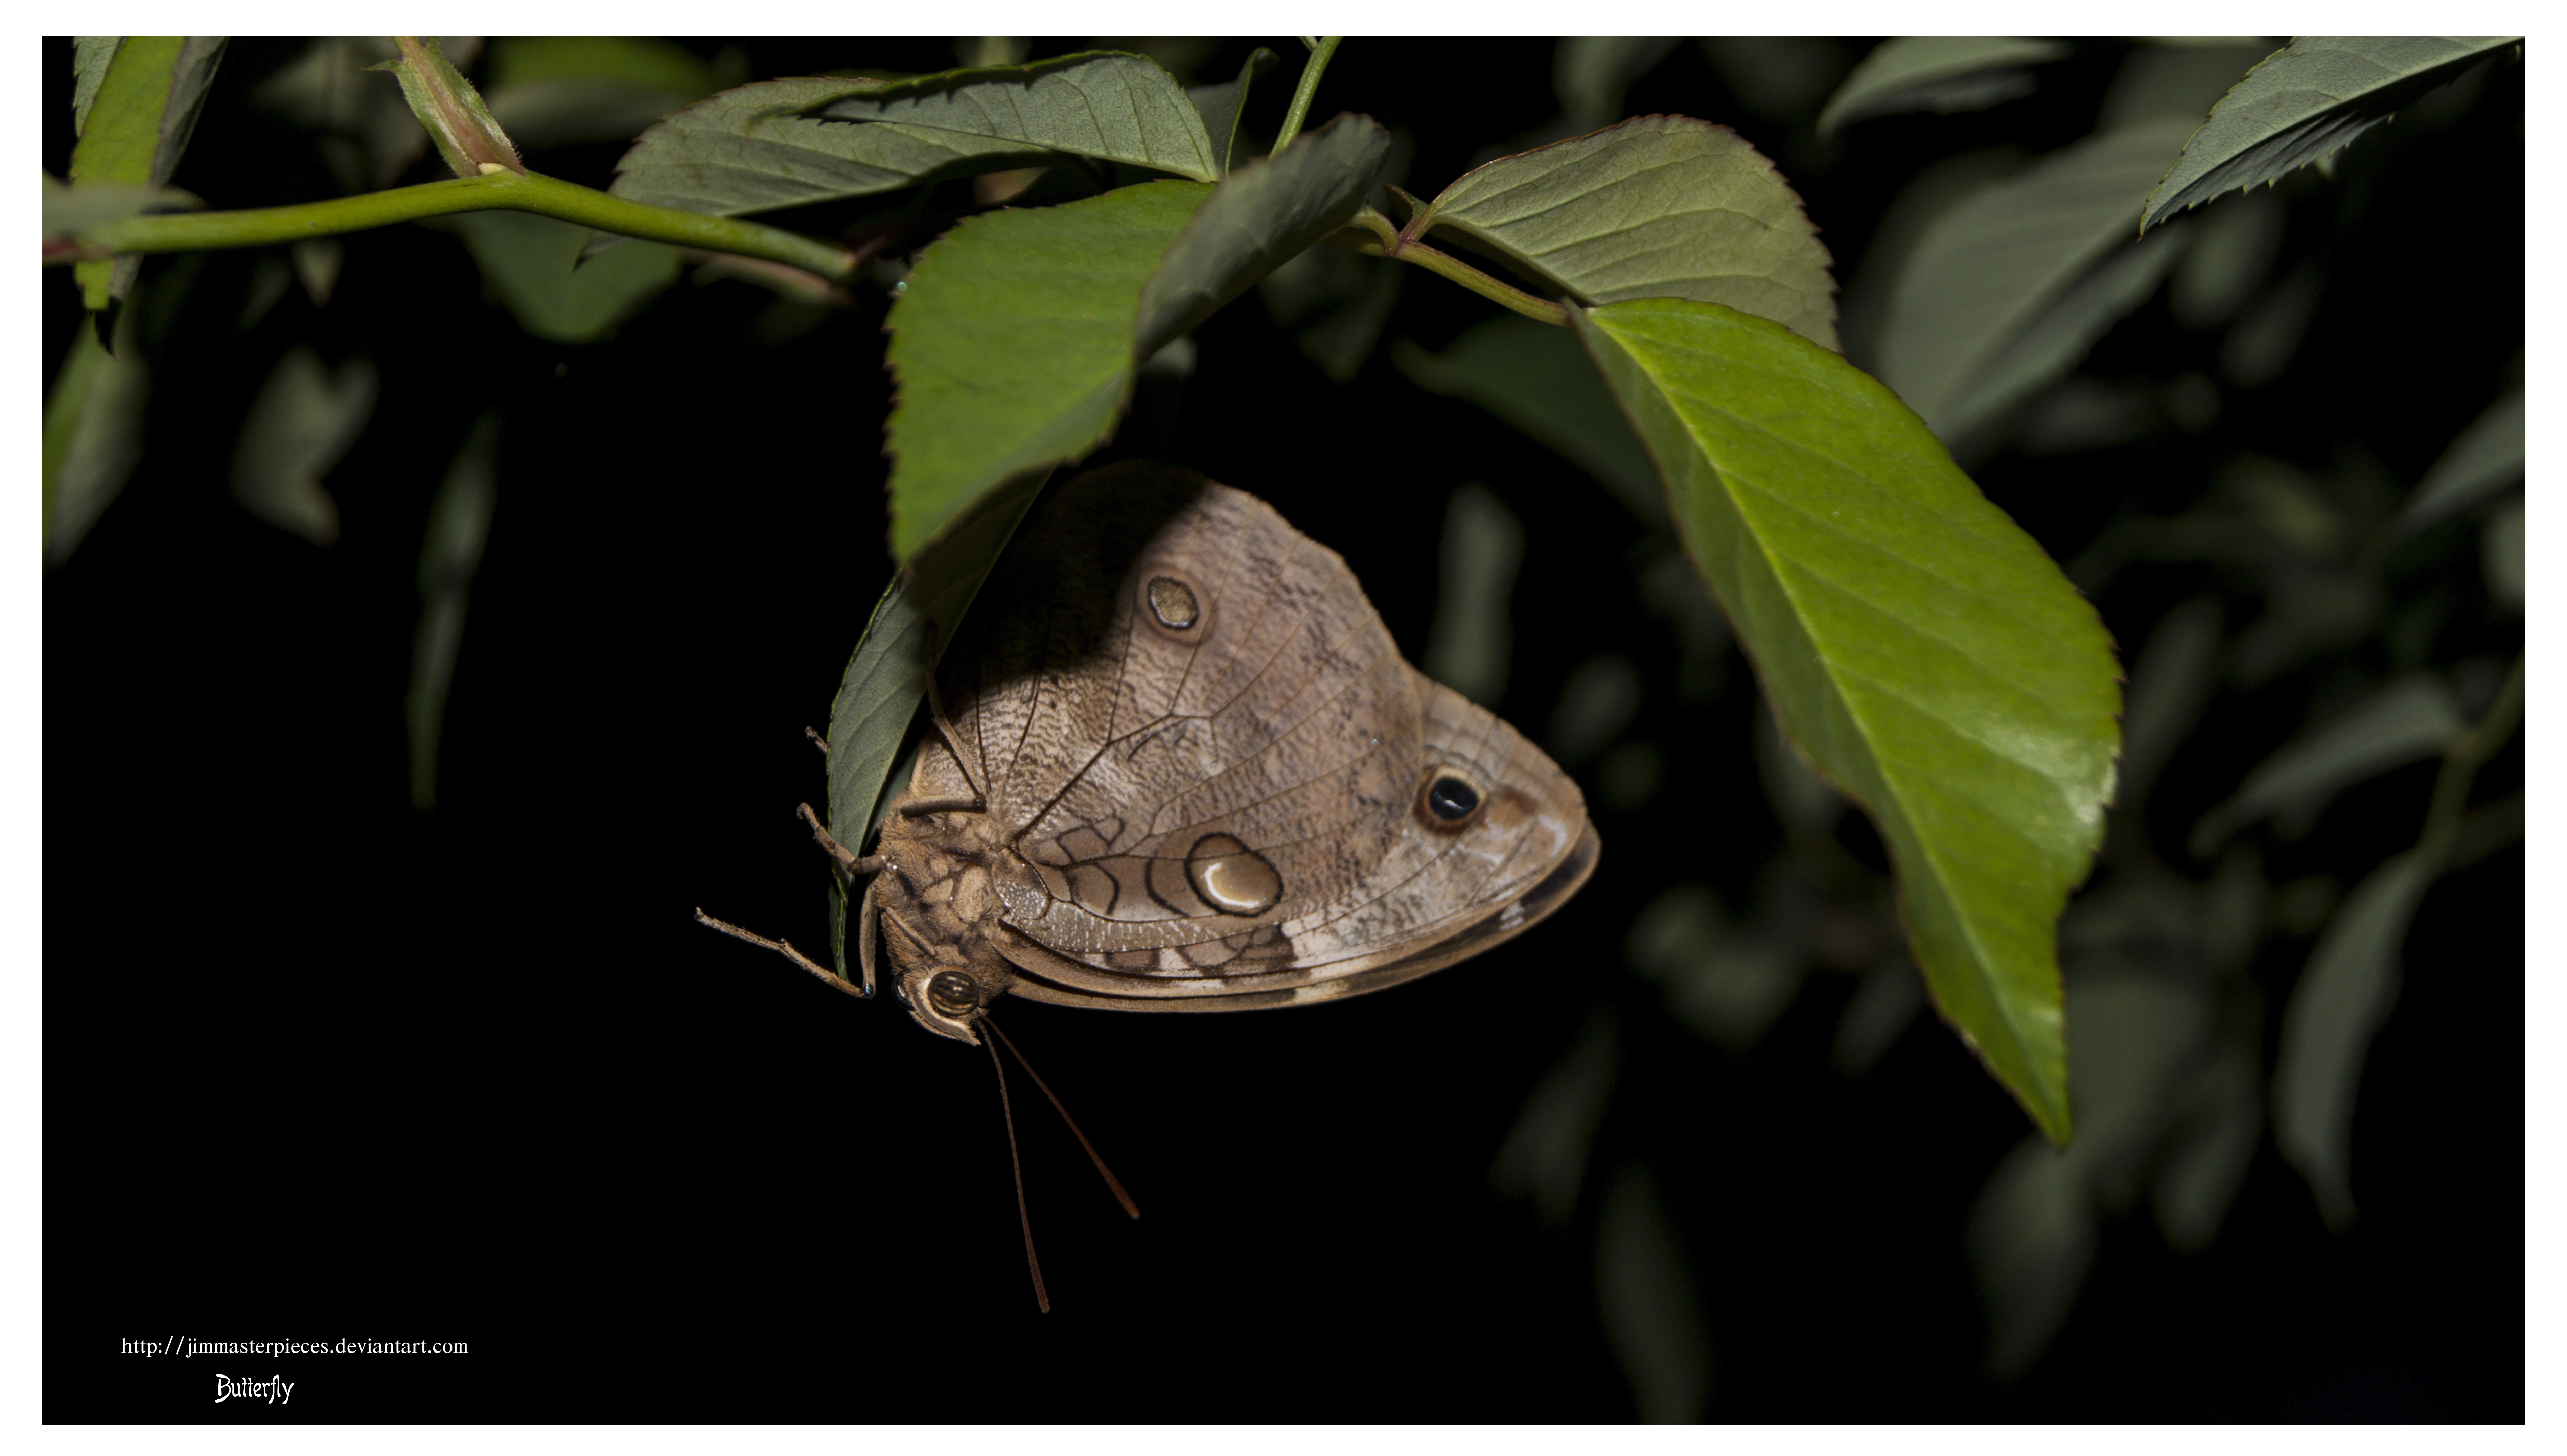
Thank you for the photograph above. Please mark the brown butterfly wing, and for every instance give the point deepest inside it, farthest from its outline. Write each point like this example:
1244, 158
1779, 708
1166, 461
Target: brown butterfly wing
1215, 791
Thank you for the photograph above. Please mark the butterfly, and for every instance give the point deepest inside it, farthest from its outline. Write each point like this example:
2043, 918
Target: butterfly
1177, 764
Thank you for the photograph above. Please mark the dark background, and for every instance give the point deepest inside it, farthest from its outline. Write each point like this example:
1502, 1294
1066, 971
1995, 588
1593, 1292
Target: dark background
320, 1067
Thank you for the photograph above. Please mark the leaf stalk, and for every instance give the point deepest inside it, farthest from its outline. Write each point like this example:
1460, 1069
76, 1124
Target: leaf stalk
498, 188
1393, 243
1320, 50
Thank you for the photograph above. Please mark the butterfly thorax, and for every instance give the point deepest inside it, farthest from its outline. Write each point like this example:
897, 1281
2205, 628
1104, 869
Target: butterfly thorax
940, 907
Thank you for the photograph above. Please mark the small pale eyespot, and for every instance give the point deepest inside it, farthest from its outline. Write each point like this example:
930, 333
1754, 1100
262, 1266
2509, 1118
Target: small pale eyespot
1172, 603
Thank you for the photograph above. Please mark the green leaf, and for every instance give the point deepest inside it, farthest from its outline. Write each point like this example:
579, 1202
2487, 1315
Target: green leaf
1017, 340
756, 148
2309, 98
1916, 644
1537, 378
1222, 106
782, 143
1262, 214
2486, 458
1100, 104
1012, 345
1655, 207
134, 130
90, 58
1935, 73
886, 677
2336, 1008
528, 262
452, 111
1990, 265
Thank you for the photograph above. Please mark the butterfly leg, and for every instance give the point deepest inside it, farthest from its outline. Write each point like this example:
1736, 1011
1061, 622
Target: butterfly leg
852, 863
786, 950
868, 925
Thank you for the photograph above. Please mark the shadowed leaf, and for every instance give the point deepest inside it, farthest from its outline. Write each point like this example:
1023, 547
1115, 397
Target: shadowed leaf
1917, 646
1589, 73
2486, 458
2413, 717
2032, 1237
886, 677
1536, 378
1221, 106
550, 91
529, 260
2309, 98
449, 555
1656, 208
1935, 73
1260, 215
93, 435
1644, 1293
2340, 1001
1990, 265
306, 416
2053, 342
1545, 1154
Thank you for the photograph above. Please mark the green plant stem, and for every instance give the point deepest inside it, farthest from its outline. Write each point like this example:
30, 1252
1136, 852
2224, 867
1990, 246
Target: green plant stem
528, 192
1391, 244
1320, 50
2460, 764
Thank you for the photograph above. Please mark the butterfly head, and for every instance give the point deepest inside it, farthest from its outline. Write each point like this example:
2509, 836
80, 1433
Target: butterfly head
945, 1000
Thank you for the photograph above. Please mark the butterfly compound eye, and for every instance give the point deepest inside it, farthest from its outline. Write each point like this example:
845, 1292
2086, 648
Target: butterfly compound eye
953, 994
1449, 800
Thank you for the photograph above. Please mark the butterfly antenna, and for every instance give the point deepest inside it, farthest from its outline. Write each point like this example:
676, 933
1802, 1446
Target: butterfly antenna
1111, 1182
1033, 1266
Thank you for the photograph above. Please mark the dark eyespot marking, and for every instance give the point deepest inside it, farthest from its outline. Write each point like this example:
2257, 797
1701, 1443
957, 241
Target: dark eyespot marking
1449, 801
953, 994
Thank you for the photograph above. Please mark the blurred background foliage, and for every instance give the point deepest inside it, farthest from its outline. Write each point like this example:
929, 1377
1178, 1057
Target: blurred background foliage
520, 580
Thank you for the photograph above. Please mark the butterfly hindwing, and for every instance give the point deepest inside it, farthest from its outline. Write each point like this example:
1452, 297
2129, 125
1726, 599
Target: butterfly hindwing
1221, 779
